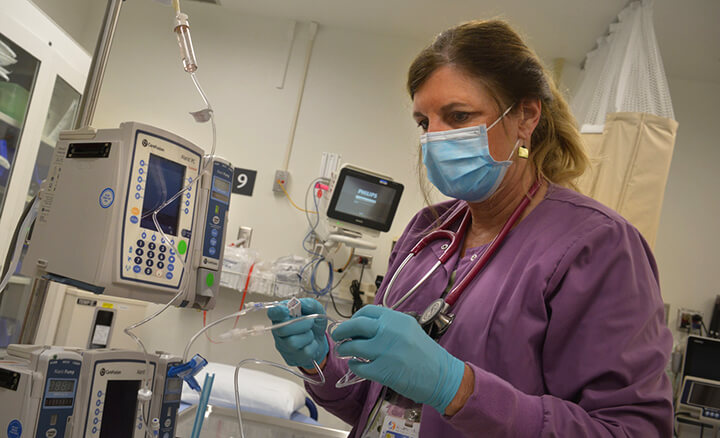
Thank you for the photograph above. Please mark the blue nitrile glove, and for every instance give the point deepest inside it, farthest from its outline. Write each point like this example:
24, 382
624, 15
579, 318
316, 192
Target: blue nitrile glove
304, 341
402, 356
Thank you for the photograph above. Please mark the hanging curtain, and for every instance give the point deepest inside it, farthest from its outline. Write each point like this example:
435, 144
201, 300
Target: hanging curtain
627, 121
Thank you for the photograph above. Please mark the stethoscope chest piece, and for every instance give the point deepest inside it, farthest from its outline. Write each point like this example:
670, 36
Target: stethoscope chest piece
435, 320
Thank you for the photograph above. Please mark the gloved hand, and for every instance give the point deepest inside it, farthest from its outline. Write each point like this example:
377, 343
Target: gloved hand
304, 341
402, 356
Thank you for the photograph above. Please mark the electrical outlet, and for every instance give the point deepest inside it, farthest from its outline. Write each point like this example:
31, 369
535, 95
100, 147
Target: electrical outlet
368, 260
282, 177
245, 236
684, 319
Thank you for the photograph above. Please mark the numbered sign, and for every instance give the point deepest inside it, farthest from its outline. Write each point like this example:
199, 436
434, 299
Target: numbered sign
244, 181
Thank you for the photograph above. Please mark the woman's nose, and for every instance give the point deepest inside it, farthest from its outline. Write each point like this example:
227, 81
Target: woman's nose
437, 125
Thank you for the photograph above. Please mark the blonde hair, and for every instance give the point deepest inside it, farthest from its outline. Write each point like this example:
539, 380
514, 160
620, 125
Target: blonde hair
493, 53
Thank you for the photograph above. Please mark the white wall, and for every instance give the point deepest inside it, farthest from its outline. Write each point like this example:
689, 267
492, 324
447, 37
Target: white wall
687, 242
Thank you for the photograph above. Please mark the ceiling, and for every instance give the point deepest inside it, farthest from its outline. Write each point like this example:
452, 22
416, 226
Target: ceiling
687, 30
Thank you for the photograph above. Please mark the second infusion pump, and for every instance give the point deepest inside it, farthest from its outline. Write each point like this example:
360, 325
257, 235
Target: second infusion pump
95, 228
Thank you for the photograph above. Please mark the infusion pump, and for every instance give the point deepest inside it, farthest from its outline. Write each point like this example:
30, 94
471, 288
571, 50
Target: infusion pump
95, 228
49, 392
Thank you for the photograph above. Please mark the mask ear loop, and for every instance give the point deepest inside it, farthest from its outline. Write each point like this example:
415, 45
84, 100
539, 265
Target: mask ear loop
501, 117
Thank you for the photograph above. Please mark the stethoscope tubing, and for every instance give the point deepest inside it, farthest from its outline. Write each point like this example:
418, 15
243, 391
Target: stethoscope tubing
414, 288
455, 241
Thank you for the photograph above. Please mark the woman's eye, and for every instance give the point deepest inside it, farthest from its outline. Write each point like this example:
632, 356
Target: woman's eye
460, 117
423, 124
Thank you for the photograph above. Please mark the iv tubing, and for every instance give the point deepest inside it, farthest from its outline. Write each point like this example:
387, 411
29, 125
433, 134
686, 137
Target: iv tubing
253, 331
250, 308
184, 281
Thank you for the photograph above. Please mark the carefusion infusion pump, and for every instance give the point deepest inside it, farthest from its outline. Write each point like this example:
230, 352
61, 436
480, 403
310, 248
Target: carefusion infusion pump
38, 391
96, 229
362, 203
65, 392
699, 398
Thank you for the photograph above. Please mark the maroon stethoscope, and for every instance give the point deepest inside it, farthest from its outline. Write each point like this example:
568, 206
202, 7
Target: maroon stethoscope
436, 319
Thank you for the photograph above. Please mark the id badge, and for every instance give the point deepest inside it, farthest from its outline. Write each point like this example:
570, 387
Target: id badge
394, 416
399, 427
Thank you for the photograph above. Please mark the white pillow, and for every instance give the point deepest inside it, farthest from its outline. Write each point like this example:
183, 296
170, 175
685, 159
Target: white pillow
259, 392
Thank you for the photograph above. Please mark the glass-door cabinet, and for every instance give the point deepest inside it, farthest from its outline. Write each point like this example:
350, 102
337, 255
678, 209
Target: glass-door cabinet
42, 75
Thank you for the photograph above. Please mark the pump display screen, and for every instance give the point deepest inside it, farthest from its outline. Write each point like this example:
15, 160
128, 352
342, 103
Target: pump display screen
119, 411
58, 402
705, 395
222, 185
61, 385
365, 200
163, 180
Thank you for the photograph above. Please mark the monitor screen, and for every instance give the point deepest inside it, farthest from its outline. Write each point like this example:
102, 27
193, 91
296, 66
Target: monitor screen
702, 358
119, 411
364, 199
705, 395
164, 180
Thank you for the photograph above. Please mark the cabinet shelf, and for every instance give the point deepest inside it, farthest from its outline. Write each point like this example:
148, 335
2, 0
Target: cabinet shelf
9, 120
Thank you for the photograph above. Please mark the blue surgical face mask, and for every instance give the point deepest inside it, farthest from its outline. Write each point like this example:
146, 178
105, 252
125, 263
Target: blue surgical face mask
459, 163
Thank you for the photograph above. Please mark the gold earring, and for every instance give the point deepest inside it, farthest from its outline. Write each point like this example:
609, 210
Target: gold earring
523, 152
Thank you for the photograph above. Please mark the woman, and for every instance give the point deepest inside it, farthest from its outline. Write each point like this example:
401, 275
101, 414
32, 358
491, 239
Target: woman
561, 333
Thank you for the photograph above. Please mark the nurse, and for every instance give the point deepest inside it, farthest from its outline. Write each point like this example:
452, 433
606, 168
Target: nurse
561, 333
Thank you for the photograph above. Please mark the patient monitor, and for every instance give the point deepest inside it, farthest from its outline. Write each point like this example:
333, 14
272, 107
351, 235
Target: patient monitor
362, 203
95, 228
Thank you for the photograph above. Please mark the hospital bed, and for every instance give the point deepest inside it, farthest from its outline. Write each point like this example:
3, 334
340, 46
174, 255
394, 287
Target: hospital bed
272, 406
222, 423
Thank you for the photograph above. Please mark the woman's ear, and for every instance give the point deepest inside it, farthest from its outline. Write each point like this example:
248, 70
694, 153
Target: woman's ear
530, 110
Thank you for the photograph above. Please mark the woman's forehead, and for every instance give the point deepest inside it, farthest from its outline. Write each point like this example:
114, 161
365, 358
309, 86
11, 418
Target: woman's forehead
449, 84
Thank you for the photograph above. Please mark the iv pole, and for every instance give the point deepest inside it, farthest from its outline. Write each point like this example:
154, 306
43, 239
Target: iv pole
99, 63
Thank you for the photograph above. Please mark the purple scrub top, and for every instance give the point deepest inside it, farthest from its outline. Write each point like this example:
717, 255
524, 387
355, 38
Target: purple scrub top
564, 329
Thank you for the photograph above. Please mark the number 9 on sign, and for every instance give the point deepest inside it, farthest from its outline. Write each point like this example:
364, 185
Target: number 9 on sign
244, 181
241, 180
